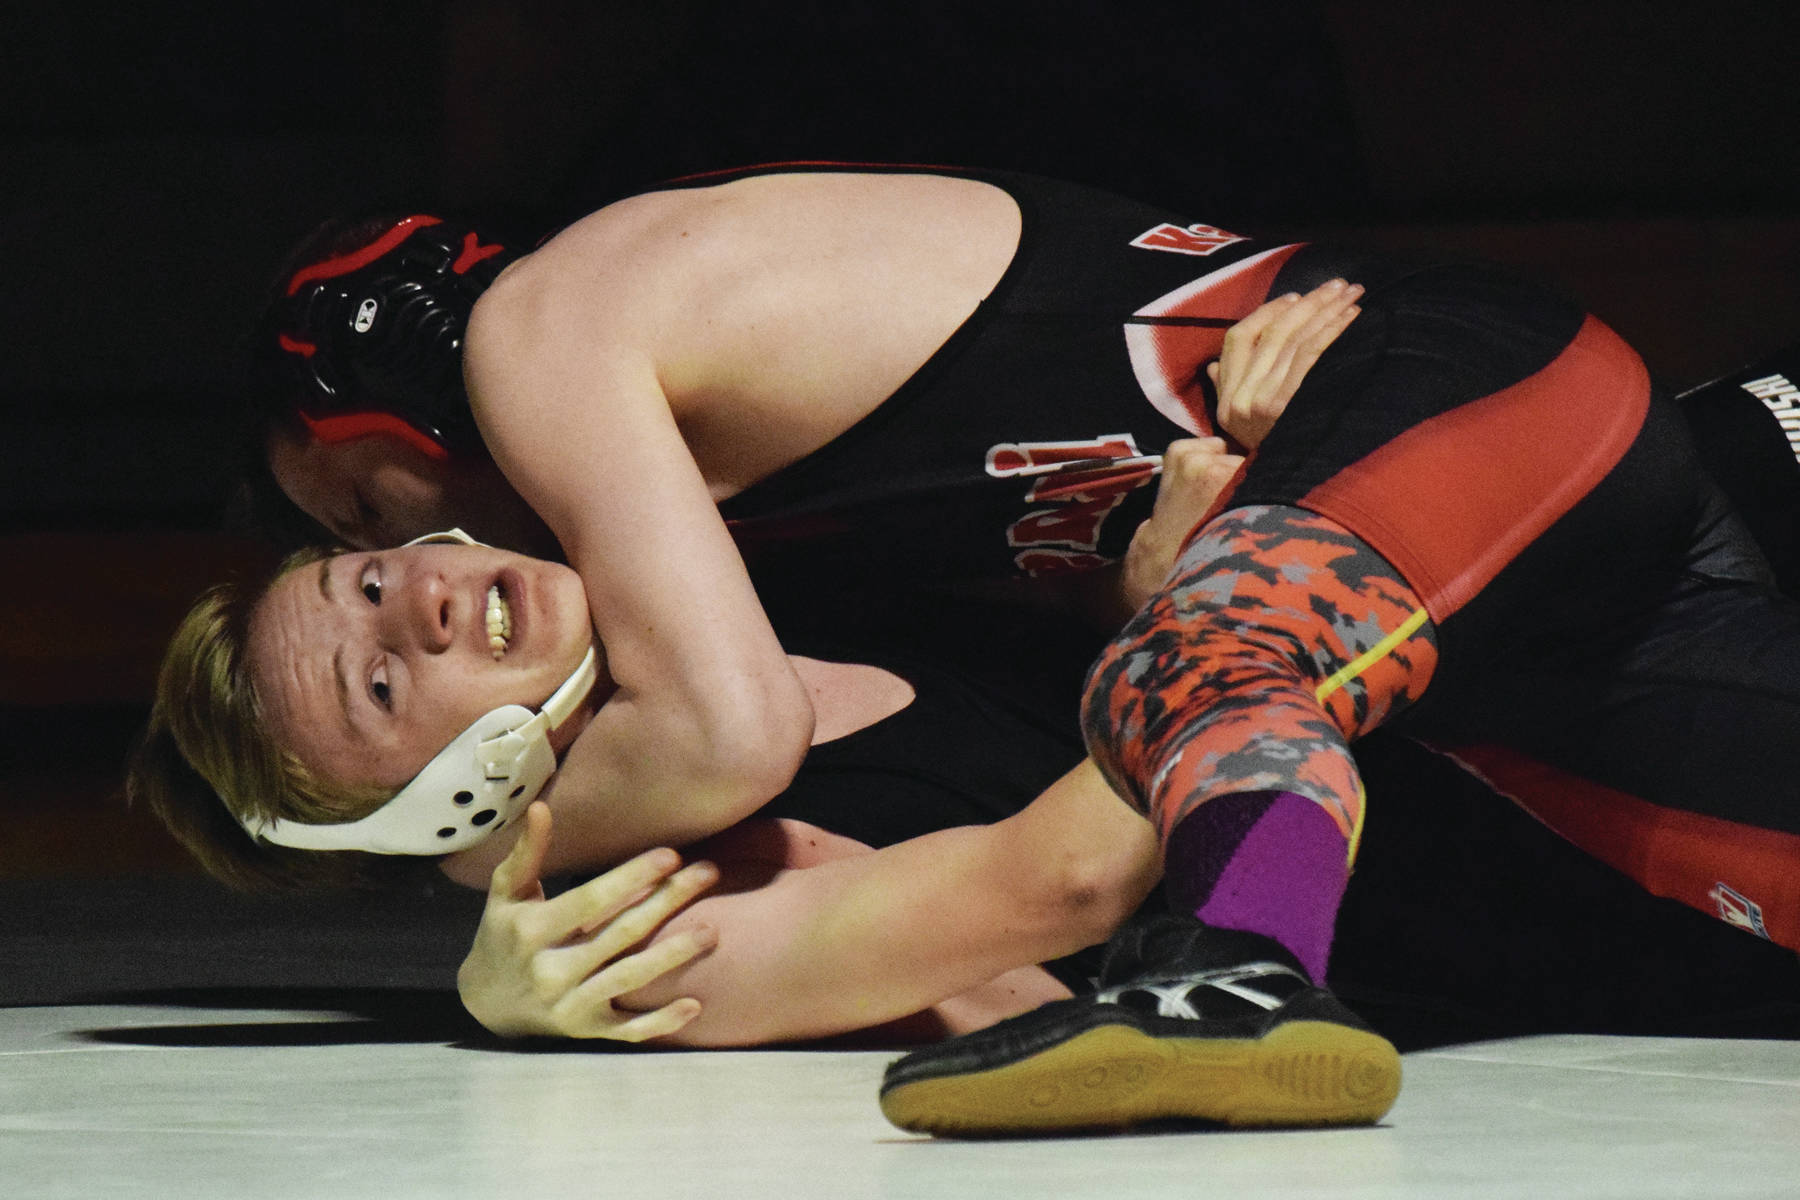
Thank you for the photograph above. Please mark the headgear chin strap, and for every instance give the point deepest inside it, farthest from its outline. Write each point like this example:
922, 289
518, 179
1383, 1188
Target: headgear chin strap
475, 785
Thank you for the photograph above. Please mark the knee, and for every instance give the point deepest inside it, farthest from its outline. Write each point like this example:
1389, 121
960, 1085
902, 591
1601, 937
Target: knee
1096, 887
1117, 696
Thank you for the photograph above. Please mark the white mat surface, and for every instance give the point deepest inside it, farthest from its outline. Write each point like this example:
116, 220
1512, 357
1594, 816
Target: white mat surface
121, 1102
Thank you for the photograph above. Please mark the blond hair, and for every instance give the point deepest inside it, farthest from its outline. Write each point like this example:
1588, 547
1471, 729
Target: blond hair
208, 759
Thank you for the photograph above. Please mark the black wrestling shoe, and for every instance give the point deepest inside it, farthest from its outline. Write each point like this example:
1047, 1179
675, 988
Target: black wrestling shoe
1189, 1023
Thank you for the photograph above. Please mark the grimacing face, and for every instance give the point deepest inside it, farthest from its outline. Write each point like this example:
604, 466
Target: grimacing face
369, 663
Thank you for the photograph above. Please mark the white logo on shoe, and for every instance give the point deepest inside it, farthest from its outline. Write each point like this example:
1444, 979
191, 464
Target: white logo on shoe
1172, 996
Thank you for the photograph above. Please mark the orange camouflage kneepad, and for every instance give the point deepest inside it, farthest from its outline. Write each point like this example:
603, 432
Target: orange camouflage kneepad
1279, 638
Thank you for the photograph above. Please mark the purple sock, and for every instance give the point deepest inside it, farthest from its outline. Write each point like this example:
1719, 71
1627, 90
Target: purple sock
1273, 863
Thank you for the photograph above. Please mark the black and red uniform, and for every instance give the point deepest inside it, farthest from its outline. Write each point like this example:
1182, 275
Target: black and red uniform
1559, 598
1605, 646
1028, 444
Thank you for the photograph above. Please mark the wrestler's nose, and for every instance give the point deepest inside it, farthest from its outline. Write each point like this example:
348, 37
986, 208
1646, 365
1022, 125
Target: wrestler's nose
425, 615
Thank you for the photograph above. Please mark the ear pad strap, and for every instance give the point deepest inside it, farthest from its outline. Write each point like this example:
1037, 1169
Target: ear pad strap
475, 785
472, 787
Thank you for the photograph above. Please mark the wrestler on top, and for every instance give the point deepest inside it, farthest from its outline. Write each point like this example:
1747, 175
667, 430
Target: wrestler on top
872, 375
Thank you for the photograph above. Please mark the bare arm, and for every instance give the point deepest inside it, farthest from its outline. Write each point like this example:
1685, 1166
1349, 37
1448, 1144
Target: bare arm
944, 922
860, 941
709, 719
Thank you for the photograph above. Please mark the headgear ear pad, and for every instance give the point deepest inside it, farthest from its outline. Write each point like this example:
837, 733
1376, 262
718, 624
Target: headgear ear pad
380, 329
475, 785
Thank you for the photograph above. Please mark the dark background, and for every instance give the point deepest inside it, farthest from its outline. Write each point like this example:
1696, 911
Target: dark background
160, 158
157, 160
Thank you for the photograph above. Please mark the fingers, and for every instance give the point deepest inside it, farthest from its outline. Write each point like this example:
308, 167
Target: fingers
1319, 333
558, 970
1185, 461
605, 896
1266, 356
1244, 333
1311, 325
591, 1006
661, 1022
1270, 350
519, 875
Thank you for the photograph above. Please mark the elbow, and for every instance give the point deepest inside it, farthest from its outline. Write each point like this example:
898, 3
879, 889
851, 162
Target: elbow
755, 744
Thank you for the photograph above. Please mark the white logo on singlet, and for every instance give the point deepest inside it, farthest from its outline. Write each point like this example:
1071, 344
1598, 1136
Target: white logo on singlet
1783, 399
365, 316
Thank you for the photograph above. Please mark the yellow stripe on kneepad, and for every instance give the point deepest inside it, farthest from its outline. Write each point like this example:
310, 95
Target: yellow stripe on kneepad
1371, 656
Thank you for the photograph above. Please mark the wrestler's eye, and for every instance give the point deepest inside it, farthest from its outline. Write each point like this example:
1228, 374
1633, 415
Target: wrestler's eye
370, 582
378, 687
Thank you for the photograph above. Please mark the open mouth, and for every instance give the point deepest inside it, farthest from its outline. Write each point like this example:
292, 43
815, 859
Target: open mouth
499, 621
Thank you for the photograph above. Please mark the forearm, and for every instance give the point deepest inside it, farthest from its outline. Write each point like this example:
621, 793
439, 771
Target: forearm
861, 941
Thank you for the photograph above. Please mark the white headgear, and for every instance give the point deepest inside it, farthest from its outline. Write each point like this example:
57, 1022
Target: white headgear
475, 785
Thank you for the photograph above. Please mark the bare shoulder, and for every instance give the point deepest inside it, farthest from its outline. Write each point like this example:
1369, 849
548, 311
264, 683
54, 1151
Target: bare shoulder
744, 303
661, 254
606, 271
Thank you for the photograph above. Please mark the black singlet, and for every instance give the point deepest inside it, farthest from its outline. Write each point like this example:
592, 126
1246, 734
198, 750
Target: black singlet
1029, 443
990, 727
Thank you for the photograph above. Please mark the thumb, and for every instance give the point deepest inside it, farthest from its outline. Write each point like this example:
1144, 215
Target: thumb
519, 875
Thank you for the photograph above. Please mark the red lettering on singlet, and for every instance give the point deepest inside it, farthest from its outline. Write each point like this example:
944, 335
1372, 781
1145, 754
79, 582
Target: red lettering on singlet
1019, 458
1198, 240
1076, 524
1079, 484
1094, 483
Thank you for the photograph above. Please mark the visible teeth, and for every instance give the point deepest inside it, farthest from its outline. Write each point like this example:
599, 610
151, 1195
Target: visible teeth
499, 621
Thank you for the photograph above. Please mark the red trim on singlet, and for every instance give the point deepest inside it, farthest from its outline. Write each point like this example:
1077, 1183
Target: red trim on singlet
347, 427
333, 267
1705, 862
1169, 360
296, 346
1454, 499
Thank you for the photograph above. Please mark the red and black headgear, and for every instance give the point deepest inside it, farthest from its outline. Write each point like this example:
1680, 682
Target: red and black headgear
369, 339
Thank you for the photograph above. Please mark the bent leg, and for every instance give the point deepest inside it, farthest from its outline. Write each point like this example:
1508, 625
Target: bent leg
1224, 712
1279, 638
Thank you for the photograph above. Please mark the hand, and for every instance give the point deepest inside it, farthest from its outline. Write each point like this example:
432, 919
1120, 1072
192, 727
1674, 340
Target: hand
542, 966
1269, 352
1195, 471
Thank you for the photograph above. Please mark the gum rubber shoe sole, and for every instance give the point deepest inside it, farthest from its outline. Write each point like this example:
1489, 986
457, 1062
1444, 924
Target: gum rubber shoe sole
1301, 1073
